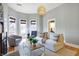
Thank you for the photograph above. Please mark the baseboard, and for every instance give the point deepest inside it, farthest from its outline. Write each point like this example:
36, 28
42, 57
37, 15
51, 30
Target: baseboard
72, 45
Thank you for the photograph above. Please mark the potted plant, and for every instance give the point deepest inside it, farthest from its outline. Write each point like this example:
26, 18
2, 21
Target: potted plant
34, 41
30, 38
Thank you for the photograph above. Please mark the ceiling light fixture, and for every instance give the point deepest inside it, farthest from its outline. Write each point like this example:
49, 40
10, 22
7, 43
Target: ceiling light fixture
41, 10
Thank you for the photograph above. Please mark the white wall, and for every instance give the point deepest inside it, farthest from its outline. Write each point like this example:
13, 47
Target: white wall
67, 21
10, 12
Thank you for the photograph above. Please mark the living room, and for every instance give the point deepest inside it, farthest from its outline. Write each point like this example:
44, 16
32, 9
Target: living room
20, 20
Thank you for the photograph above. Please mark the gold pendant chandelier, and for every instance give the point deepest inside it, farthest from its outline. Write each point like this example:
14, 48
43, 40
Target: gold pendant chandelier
41, 10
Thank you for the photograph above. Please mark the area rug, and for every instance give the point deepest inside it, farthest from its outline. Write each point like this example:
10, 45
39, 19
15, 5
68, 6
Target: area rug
66, 52
50, 53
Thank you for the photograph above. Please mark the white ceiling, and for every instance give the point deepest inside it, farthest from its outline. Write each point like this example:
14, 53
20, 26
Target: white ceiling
32, 7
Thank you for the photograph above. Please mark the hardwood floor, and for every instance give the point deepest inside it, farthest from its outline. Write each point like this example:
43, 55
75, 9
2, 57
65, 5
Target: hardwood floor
66, 46
11, 49
73, 48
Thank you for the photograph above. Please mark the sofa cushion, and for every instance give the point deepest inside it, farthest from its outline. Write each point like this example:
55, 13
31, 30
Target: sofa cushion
53, 36
49, 44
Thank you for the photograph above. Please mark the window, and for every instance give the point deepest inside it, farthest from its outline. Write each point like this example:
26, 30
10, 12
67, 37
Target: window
33, 27
12, 26
23, 29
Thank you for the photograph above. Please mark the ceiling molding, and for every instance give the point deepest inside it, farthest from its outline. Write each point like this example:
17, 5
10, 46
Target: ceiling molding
31, 8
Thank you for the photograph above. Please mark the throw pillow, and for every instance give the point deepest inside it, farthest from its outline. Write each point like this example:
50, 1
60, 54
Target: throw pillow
54, 36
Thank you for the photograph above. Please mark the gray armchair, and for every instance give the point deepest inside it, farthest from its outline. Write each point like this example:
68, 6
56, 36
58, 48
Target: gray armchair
14, 40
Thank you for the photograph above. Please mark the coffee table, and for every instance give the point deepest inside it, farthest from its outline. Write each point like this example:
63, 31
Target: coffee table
38, 49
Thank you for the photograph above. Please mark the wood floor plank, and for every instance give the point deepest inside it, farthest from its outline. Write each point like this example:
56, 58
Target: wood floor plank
73, 48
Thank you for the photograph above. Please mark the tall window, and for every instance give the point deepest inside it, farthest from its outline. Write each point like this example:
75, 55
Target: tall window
33, 27
23, 29
12, 26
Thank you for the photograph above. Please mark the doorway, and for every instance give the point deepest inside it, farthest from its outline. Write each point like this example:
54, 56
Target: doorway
51, 25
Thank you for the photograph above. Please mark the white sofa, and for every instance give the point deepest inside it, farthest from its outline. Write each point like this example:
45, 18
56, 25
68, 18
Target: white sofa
51, 43
25, 50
